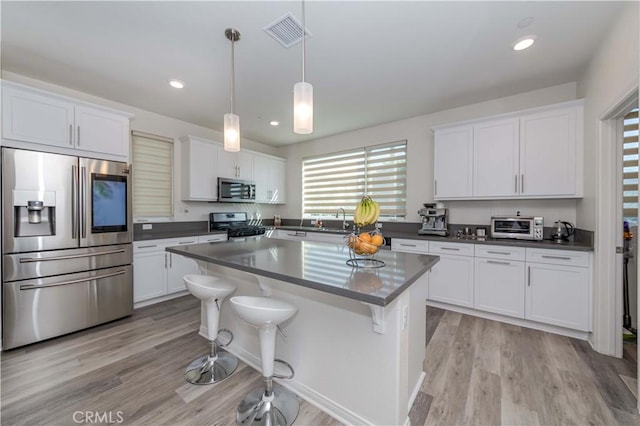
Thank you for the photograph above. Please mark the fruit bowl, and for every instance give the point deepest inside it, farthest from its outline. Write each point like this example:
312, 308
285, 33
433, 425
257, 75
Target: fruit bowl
363, 248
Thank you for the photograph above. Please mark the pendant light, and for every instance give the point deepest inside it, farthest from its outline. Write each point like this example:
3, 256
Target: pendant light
231, 120
303, 95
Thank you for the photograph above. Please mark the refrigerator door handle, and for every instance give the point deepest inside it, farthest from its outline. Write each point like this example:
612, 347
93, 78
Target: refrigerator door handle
74, 202
80, 280
72, 256
83, 202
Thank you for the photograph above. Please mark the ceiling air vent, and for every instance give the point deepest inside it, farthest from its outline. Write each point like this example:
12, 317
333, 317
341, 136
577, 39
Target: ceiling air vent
287, 30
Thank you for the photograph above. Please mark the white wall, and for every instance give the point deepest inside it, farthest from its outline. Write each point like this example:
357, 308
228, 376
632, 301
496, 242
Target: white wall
157, 124
611, 75
417, 131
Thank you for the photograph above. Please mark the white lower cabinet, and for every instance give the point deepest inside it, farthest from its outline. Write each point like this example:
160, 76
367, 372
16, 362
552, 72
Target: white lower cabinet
158, 273
499, 286
538, 286
451, 280
558, 295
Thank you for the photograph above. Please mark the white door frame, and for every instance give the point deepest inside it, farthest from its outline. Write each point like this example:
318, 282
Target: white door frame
607, 333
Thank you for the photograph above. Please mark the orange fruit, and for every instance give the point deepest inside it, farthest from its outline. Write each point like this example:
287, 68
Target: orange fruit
365, 237
377, 240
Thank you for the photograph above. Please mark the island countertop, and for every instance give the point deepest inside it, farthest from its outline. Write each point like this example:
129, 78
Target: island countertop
320, 266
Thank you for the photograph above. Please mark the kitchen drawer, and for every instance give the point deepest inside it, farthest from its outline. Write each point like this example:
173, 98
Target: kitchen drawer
558, 257
410, 246
500, 252
210, 238
159, 245
458, 249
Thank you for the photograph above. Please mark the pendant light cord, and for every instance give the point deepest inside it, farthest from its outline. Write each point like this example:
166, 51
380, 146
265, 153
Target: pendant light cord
233, 72
304, 31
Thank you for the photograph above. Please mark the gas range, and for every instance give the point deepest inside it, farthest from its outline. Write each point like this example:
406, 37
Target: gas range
236, 225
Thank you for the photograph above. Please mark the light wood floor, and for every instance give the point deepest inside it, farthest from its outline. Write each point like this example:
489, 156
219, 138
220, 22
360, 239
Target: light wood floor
478, 372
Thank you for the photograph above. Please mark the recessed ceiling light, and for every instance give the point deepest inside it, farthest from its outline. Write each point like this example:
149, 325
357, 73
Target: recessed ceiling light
176, 84
274, 123
524, 42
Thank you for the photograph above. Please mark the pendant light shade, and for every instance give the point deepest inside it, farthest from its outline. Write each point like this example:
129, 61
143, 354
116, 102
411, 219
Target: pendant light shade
231, 132
303, 94
231, 120
303, 108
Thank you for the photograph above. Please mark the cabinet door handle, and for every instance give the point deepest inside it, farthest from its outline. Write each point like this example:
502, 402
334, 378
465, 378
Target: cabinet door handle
529, 276
449, 248
516, 190
149, 246
70, 134
187, 242
556, 257
170, 260
500, 252
165, 261
522, 183
408, 245
435, 187
495, 262
78, 141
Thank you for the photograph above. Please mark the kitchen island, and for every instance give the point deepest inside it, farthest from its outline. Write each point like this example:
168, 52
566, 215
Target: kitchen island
357, 343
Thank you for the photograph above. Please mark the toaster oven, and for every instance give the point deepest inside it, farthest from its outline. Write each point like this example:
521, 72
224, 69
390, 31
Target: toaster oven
517, 227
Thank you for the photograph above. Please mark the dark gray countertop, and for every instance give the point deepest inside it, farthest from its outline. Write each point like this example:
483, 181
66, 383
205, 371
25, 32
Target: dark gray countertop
576, 245
174, 234
320, 266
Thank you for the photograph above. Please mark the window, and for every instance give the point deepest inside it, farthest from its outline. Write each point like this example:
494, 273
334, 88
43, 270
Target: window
341, 179
630, 168
152, 175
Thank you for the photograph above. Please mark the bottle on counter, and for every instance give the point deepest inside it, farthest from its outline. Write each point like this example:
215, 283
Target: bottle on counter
277, 221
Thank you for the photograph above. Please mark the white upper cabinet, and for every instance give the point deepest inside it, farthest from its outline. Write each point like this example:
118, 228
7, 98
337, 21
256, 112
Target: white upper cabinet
236, 165
529, 154
495, 158
60, 124
199, 169
453, 166
269, 174
204, 161
548, 152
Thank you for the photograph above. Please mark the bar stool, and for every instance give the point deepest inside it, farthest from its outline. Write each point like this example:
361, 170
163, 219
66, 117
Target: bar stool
272, 405
218, 364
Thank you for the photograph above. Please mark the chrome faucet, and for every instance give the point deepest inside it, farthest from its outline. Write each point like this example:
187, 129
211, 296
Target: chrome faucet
345, 225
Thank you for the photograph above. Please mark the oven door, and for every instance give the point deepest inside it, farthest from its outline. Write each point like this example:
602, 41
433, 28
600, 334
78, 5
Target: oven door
236, 191
105, 203
512, 228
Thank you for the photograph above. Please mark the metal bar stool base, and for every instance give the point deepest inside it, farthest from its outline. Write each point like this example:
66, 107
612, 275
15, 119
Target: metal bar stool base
281, 411
204, 371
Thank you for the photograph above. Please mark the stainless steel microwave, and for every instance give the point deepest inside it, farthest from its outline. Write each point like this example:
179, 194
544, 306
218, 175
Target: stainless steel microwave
236, 191
517, 227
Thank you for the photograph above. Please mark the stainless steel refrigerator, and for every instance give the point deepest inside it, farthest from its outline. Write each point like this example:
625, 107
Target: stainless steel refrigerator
66, 246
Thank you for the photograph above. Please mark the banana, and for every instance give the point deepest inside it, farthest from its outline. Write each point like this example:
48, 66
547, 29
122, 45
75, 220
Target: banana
358, 214
377, 211
364, 212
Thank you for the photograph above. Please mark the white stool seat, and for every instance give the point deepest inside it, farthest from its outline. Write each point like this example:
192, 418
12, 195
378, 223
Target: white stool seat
262, 310
218, 364
206, 287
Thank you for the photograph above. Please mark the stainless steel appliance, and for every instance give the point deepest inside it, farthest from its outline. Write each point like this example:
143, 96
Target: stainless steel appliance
66, 247
236, 224
562, 231
517, 227
434, 220
236, 191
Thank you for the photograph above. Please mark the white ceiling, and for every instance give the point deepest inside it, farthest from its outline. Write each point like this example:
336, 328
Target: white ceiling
369, 62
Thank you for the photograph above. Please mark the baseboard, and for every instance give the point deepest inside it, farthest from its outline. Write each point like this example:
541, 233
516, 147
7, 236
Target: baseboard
414, 394
335, 410
159, 299
576, 334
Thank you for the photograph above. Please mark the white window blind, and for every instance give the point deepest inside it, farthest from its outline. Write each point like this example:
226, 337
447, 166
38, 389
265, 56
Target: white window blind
152, 175
340, 179
630, 168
